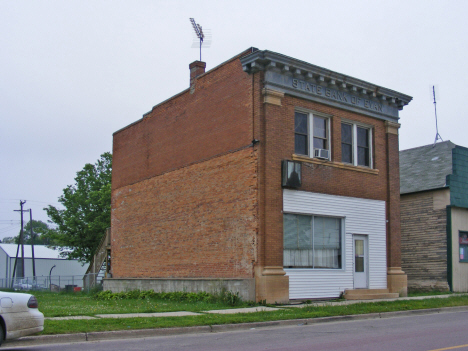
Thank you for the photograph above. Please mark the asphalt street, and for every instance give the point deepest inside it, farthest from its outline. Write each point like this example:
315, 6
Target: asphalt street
430, 332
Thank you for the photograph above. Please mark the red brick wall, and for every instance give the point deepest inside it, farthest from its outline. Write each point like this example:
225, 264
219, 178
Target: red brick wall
198, 221
214, 118
279, 145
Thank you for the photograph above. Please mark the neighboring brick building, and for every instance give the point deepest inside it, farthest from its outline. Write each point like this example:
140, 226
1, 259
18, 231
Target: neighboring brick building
202, 195
434, 216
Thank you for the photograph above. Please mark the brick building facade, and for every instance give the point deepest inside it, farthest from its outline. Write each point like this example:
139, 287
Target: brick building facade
197, 195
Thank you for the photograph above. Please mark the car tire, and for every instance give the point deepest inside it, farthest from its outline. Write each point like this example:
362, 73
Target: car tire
2, 334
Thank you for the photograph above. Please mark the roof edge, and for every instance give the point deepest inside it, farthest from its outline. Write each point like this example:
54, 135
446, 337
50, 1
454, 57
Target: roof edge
242, 54
265, 60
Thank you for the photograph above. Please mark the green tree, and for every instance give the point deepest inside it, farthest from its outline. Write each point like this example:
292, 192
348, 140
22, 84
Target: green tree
39, 229
87, 203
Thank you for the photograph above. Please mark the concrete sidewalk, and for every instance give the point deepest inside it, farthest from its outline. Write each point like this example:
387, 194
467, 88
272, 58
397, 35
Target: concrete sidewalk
248, 309
128, 334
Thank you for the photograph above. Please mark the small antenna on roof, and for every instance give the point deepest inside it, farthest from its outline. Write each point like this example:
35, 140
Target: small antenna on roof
198, 31
437, 137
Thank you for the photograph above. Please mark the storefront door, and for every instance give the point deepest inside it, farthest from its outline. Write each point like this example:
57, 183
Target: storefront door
360, 262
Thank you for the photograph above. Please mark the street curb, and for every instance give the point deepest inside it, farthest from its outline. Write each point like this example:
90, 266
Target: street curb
218, 328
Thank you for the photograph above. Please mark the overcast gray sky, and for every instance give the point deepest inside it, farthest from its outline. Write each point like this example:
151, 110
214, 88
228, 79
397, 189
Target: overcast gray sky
74, 72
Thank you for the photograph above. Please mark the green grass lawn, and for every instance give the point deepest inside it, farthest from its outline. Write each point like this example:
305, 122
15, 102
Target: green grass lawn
82, 304
52, 304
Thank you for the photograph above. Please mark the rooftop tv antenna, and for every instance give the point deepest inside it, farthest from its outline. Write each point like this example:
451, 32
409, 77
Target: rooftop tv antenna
437, 137
198, 31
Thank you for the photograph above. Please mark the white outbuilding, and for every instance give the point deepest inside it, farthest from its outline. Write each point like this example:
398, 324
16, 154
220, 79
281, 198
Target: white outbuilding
50, 267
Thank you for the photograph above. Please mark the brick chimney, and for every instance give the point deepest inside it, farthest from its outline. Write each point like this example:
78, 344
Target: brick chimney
197, 68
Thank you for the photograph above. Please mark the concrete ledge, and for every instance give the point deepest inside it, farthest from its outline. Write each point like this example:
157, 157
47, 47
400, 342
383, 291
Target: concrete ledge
244, 286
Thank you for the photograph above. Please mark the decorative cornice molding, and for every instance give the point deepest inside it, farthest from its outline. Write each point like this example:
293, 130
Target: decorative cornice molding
271, 96
303, 79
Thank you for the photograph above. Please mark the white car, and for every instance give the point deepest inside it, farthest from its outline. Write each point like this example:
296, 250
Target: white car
19, 316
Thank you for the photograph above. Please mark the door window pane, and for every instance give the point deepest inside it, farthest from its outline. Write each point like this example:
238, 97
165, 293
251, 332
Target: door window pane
359, 255
359, 264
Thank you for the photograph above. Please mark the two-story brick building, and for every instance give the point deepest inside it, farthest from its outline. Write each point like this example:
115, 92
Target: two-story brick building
269, 176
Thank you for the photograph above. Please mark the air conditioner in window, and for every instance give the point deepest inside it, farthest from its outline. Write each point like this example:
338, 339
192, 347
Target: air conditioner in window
322, 153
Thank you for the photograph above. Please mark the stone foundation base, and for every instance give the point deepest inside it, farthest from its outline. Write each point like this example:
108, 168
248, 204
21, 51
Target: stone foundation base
245, 287
271, 284
428, 285
397, 281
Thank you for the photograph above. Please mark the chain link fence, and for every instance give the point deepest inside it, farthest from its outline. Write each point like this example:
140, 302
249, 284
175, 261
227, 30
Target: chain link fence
54, 283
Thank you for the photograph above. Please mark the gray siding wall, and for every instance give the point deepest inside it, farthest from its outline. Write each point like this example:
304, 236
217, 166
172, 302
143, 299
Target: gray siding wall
424, 239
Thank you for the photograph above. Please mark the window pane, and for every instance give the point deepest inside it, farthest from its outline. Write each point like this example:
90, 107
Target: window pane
300, 125
363, 156
297, 232
327, 242
326, 233
346, 153
300, 144
320, 127
320, 143
359, 264
359, 247
362, 137
298, 240
289, 232
346, 133
304, 240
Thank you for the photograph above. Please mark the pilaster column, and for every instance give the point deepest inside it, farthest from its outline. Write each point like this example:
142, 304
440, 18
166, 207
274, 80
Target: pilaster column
396, 278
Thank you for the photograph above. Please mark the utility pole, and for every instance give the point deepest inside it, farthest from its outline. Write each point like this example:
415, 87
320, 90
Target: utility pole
21, 243
32, 243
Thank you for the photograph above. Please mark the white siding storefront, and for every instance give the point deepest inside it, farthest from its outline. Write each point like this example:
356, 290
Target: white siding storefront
360, 216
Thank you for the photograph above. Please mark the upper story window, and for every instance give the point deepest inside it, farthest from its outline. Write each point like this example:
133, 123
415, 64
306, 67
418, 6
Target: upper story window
311, 135
356, 141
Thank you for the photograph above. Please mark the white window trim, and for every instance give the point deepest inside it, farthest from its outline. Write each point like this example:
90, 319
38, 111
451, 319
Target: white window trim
355, 125
310, 125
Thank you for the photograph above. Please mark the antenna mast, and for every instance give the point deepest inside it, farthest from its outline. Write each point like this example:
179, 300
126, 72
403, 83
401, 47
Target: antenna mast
198, 31
437, 137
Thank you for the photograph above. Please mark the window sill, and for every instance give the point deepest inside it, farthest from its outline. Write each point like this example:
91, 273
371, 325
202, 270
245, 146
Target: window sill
334, 164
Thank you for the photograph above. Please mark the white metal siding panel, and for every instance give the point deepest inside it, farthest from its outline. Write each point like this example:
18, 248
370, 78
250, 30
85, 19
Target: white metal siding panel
3, 264
361, 216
